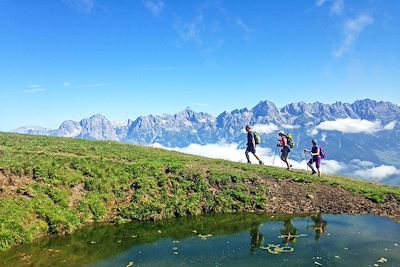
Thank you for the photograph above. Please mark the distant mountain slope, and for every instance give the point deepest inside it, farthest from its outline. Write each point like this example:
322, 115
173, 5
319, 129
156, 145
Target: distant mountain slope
365, 130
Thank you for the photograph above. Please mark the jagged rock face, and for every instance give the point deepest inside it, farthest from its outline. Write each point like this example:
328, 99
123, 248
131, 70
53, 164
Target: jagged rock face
69, 129
98, 127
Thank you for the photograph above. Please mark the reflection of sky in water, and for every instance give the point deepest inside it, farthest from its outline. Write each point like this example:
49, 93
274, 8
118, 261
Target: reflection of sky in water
332, 240
347, 241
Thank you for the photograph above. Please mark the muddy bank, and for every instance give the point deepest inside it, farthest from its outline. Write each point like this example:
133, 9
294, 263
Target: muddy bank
290, 197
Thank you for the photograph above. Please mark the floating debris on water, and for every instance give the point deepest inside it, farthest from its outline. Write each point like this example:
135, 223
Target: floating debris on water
194, 231
175, 248
130, 264
337, 257
396, 245
292, 236
277, 249
204, 237
175, 242
346, 248
376, 265
382, 260
317, 263
176, 252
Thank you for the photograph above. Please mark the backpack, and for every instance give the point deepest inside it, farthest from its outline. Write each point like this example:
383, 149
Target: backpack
257, 138
290, 141
322, 153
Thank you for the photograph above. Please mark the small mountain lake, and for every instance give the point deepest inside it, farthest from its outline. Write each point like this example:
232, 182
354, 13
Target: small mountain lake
222, 240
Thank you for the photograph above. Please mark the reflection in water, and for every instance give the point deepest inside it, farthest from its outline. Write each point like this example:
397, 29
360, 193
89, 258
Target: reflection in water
288, 232
256, 238
319, 225
351, 241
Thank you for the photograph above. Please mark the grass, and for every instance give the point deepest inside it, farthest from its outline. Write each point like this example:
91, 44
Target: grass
57, 185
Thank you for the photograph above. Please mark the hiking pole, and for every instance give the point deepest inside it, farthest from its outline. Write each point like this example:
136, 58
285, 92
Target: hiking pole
276, 149
305, 158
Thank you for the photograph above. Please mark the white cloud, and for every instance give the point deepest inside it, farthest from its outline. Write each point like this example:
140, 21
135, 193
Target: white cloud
84, 6
349, 126
155, 7
240, 23
378, 173
265, 128
34, 88
290, 127
34, 91
352, 29
390, 126
324, 136
337, 7
190, 31
363, 163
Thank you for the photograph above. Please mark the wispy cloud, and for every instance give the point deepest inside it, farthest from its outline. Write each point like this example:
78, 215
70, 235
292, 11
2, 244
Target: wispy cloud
34, 91
68, 85
378, 173
266, 128
34, 88
155, 7
189, 31
352, 28
336, 6
240, 23
83, 6
354, 126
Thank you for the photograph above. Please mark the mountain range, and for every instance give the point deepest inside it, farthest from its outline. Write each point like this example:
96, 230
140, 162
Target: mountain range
365, 130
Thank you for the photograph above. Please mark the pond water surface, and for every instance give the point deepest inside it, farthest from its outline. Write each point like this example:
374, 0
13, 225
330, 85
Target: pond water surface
222, 240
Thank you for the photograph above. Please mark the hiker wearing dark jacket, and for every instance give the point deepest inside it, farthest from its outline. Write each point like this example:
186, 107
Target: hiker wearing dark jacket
251, 145
283, 142
316, 157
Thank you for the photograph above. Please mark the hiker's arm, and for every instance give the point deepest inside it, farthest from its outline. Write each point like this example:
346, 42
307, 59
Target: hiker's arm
316, 153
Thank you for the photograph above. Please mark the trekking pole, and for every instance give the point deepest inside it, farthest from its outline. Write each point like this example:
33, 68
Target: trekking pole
305, 158
276, 149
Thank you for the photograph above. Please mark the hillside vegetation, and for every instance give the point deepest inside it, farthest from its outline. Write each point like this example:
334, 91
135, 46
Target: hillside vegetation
54, 185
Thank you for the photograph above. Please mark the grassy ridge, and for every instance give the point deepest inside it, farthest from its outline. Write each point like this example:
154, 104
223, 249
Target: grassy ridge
56, 185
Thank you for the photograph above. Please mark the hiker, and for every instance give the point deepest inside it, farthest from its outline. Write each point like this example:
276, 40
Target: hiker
319, 226
316, 157
256, 238
251, 145
283, 142
288, 232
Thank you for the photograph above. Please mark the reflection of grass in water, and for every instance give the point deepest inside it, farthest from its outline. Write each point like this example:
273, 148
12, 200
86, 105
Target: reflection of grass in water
78, 249
63, 184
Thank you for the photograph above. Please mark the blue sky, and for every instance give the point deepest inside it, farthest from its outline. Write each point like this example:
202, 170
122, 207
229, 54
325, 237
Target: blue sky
69, 59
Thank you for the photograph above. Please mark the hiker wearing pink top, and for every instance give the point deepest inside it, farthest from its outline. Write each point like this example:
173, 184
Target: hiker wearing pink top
283, 142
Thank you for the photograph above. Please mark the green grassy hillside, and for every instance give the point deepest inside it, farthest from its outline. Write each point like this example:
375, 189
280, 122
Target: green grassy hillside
56, 185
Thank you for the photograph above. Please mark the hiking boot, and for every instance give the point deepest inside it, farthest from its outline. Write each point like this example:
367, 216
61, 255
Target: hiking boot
313, 172
261, 163
249, 162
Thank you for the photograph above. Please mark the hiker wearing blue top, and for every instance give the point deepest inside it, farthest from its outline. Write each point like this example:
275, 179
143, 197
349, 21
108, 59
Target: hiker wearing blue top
316, 157
251, 145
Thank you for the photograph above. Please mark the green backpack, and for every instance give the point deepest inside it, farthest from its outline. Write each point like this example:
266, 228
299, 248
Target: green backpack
257, 138
290, 140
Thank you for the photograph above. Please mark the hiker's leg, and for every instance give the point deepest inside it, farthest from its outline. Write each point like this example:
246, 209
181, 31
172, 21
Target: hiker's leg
310, 164
318, 166
247, 156
259, 160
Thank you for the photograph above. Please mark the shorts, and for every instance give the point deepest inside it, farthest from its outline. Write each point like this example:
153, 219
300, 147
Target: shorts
316, 160
251, 149
285, 152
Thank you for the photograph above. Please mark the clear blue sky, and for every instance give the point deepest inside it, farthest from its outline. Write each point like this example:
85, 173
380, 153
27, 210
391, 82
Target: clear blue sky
69, 59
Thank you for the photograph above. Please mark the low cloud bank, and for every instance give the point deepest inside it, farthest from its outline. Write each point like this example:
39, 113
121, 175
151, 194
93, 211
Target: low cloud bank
354, 126
356, 168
